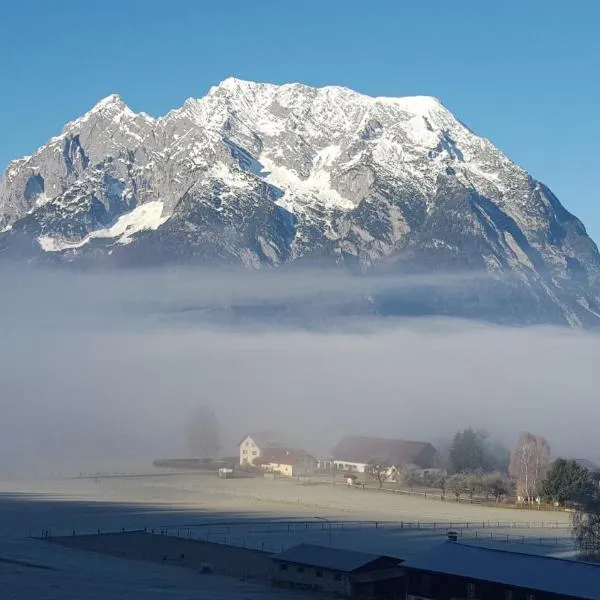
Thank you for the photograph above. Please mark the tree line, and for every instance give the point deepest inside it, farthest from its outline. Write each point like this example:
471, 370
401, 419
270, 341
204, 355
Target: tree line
476, 466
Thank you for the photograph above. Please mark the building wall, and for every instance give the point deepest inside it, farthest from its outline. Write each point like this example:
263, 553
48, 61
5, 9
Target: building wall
304, 466
292, 575
344, 465
249, 451
282, 469
436, 586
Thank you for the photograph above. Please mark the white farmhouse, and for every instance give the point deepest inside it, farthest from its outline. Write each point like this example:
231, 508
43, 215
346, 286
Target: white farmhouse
254, 445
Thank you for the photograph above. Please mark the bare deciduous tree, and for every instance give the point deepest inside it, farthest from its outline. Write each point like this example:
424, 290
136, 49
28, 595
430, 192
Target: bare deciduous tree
528, 464
379, 470
458, 484
202, 433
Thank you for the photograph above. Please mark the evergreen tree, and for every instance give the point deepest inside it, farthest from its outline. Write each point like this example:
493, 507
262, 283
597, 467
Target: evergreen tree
566, 480
468, 452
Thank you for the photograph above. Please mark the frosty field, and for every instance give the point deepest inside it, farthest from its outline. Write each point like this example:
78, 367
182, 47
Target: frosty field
257, 513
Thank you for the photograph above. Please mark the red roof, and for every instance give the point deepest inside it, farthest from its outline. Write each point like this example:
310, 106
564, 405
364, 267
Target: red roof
281, 456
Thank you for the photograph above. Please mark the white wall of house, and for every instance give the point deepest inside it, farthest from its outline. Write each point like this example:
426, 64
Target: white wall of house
249, 451
344, 465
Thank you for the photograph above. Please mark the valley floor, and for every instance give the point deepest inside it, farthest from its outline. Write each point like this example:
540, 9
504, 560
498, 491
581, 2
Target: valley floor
255, 513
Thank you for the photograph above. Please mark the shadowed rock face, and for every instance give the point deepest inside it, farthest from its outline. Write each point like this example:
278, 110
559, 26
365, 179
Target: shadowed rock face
264, 175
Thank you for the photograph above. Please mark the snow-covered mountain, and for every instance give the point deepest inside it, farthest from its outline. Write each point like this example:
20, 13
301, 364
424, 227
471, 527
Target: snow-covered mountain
264, 175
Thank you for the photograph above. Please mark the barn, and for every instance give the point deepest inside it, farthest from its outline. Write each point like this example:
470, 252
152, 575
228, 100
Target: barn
339, 572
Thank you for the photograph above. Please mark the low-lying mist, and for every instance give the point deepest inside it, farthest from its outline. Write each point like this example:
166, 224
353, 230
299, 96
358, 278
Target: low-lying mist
100, 371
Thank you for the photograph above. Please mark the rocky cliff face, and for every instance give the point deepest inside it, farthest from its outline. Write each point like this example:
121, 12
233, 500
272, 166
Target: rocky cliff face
264, 175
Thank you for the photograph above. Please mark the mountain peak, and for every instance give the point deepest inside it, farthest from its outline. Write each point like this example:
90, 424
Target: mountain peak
259, 173
113, 101
111, 107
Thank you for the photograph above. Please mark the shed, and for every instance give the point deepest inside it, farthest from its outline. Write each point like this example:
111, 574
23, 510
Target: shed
337, 571
456, 570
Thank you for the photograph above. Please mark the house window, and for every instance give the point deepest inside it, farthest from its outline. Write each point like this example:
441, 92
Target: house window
508, 595
319, 573
471, 590
300, 569
283, 567
254, 452
244, 451
530, 597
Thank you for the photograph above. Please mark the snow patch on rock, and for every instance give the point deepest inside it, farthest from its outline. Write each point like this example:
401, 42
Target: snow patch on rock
147, 216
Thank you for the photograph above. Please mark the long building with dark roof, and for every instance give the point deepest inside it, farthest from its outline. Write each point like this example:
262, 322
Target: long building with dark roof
455, 570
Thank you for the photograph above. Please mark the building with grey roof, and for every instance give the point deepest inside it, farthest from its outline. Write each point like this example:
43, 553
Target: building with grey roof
455, 570
341, 572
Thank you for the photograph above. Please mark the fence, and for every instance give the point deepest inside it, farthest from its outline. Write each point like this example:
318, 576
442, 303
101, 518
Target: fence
562, 542
289, 526
436, 494
268, 535
276, 535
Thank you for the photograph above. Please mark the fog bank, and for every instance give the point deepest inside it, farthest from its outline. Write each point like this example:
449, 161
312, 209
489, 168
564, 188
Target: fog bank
101, 370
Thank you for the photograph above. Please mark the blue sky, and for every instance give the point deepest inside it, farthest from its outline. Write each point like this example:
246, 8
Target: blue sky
523, 73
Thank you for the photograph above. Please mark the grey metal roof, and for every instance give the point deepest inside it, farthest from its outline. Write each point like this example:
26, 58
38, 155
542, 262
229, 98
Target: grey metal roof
513, 569
326, 557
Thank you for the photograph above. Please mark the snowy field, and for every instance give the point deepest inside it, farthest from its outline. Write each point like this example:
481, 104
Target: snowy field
257, 513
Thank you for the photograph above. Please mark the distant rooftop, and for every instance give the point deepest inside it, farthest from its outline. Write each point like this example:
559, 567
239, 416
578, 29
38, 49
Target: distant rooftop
534, 572
357, 448
282, 455
263, 439
335, 559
